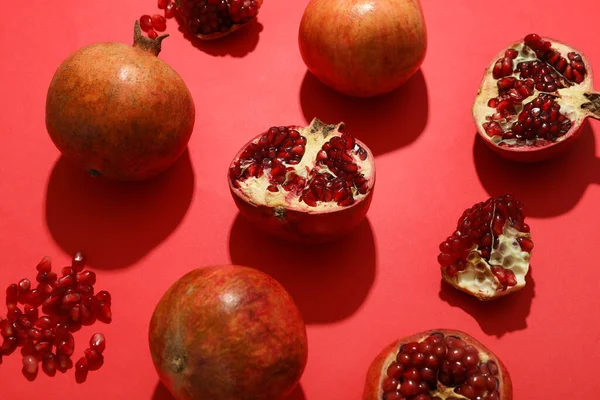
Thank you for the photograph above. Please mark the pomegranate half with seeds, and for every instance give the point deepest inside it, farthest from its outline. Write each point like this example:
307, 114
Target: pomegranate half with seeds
212, 19
437, 365
308, 184
228, 332
118, 111
534, 98
488, 254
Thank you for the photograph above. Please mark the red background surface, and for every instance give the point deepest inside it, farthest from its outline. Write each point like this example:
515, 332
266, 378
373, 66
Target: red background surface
357, 295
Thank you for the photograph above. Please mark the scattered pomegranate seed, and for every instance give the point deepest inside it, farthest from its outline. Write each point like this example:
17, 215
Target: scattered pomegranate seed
162, 4
146, 23
68, 302
159, 23
170, 10
81, 370
152, 34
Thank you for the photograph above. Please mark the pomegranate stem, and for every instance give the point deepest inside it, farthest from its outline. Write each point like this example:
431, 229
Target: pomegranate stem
593, 107
140, 41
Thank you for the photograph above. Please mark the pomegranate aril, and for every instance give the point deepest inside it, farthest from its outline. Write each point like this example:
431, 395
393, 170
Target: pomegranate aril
81, 370
152, 34
9, 345
45, 265
159, 23
104, 313
49, 364
78, 261
95, 360
98, 342
162, 4
63, 362
170, 10
44, 322
30, 365
146, 23
12, 293
42, 348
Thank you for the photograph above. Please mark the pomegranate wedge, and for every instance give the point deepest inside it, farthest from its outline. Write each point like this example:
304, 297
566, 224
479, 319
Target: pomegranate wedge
534, 98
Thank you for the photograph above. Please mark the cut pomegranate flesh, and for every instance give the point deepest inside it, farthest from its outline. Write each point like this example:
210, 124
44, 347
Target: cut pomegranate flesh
437, 365
67, 302
488, 253
295, 170
534, 96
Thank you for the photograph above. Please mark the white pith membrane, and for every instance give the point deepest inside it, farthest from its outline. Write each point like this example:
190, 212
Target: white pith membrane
570, 98
477, 277
441, 391
254, 189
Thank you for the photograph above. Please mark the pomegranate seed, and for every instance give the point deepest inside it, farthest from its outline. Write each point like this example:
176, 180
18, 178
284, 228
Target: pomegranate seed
95, 360
146, 23
49, 364
159, 23
104, 313
78, 261
170, 10
45, 265
98, 342
66, 346
30, 365
162, 4
9, 345
81, 370
152, 34
86, 278
44, 322
104, 297
63, 362
12, 293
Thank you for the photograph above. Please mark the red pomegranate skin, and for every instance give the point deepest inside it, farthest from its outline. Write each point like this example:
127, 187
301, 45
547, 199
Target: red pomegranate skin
228, 332
363, 48
119, 111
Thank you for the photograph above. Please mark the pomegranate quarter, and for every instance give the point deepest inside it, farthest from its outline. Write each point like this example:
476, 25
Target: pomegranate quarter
437, 365
212, 19
118, 111
228, 333
488, 254
534, 98
308, 184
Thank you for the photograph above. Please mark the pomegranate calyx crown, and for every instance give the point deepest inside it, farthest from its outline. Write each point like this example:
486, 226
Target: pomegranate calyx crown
316, 125
152, 46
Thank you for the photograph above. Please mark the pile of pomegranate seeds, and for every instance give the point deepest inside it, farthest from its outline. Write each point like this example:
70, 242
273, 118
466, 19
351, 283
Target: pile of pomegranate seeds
420, 368
479, 228
67, 303
334, 177
203, 17
540, 121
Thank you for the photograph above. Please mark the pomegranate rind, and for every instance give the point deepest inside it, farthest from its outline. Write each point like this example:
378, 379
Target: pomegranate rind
308, 225
477, 279
228, 332
377, 371
574, 95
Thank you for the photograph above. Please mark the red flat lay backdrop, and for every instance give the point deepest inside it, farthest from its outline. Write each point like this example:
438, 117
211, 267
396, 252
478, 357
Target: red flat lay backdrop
357, 295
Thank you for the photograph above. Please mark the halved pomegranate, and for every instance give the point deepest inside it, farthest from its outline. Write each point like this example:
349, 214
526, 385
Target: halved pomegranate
437, 365
533, 99
308, 184
488, 254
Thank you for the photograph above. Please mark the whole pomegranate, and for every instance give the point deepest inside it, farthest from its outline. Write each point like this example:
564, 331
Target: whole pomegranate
307, 184
488, 254
438, 364
119, 111
533, 99
228, 333
363, 48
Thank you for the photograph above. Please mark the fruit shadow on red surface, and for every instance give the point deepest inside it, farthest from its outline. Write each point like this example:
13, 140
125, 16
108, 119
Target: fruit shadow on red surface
384, 123
115, 223
162, 393
499, 316
236, 44
548, 188
328, 282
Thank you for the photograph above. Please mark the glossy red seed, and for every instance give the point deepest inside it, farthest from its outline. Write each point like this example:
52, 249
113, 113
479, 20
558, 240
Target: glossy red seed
98, 342
104, 313
146, 23
86, 278
78, 261
104, 297
9, 345
63, 362
159, 23
30, 365
81, 370
12, 293
49, 364
409, 388
66, 346
95, 360
170, 10
162, 4
152, 34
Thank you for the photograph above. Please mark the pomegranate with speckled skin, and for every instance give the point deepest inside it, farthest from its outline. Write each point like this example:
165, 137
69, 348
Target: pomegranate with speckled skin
119, 111
363, 48
228, 333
